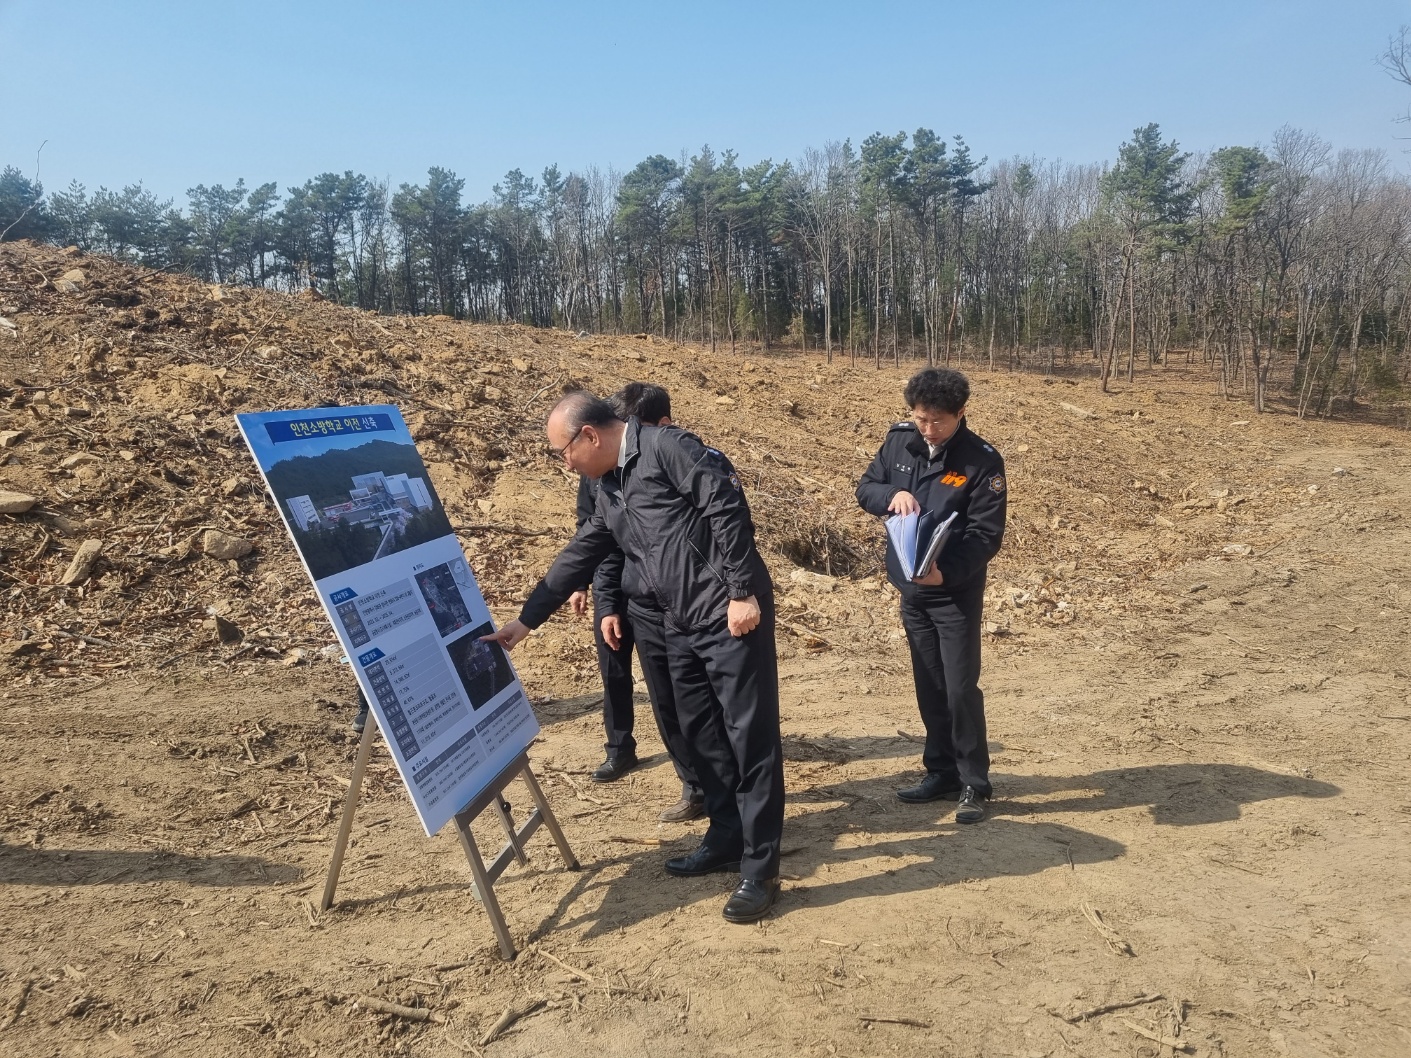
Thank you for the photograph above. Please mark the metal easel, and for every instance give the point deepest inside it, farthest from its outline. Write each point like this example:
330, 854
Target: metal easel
483, 875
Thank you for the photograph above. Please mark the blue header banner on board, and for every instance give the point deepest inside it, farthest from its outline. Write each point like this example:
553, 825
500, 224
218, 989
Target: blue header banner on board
300, 429
372, 534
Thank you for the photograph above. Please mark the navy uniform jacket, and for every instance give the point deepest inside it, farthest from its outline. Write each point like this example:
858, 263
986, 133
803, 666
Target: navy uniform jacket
607, 596
676, 511
967, 476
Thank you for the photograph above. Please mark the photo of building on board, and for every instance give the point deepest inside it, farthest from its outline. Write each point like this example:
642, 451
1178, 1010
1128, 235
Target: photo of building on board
376, 499
349, 482
378, 515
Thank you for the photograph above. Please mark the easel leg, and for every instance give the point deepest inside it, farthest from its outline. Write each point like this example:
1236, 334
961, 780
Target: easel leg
502, 809
484, 887
482, 881
350, 806
547, 815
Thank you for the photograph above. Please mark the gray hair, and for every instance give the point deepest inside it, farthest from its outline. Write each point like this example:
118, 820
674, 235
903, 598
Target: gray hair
581, 408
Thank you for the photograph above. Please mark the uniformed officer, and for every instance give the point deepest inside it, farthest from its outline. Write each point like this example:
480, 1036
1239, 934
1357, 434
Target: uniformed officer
621, 623
676, 510
935, 463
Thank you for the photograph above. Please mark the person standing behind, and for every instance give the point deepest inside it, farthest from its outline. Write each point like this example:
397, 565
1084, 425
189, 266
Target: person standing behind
621, 622
934, 463
678, 514
615, 666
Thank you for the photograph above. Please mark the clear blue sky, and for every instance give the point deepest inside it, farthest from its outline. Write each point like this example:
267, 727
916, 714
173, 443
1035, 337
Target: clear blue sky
180, 93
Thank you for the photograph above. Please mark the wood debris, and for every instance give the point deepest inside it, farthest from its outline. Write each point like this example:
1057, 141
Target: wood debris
1110, 936
894, 1020
1157, 1037
508, 1018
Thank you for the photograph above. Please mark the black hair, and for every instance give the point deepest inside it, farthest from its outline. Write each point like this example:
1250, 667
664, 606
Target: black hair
646, 400
582, 408
938, 388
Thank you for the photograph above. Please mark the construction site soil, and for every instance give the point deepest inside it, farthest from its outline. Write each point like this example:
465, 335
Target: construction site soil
1196, 675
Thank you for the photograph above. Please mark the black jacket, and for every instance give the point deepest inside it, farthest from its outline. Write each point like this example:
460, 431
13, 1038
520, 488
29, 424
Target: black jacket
677, 513
966, 476
607, 595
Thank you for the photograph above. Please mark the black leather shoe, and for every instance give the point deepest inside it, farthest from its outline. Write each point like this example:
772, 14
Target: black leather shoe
683, 811
932, 788
705, 860
972, 806
752, 900
615, 768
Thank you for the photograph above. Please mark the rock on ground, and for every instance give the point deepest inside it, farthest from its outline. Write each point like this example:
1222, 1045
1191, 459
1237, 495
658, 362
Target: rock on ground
224, 545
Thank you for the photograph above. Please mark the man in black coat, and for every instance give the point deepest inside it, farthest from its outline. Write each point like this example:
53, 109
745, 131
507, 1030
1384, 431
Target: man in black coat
934, 463
621, 623
677, 512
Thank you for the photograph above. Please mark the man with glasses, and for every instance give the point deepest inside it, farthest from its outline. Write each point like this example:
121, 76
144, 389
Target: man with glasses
677, 512
622, 621
934, 463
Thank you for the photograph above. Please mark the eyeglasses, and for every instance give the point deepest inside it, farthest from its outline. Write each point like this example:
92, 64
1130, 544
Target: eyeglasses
923, 422
562, 453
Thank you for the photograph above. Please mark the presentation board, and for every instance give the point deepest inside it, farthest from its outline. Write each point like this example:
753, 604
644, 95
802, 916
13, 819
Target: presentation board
404, 604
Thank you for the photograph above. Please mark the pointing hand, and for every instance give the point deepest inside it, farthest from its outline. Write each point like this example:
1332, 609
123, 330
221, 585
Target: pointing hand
509, 636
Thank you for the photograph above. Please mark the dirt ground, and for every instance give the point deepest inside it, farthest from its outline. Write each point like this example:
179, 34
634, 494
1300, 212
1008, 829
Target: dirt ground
1197, 681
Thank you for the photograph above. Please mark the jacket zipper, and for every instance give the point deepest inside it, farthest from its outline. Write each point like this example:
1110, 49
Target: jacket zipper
637, 539
706, 562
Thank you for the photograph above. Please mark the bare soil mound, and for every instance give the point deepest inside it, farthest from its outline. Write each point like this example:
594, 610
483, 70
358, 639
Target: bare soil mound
1196, 674
121, 389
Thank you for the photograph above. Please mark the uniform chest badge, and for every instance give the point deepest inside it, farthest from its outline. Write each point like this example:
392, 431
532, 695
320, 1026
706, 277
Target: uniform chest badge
904, 468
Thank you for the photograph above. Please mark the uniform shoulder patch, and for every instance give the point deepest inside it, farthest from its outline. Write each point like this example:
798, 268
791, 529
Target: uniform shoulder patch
725, 465
997, 483
905, 424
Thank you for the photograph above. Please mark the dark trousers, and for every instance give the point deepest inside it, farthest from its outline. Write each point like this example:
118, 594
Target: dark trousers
616, 667
944, 636
656, 670
727, 696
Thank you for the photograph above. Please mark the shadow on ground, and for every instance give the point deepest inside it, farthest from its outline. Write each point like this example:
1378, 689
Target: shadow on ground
887, 848
27, 866
1176, 794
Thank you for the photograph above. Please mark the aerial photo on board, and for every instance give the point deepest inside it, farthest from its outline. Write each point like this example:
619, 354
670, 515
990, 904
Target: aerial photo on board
349, 506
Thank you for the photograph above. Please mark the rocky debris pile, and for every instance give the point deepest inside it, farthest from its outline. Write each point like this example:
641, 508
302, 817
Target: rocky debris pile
135, 531
139, 531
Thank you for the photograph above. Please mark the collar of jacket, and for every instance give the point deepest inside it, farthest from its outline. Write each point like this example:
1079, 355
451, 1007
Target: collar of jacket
631, 442
917, 446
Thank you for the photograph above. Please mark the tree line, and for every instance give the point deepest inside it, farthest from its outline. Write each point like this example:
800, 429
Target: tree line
1284, 267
